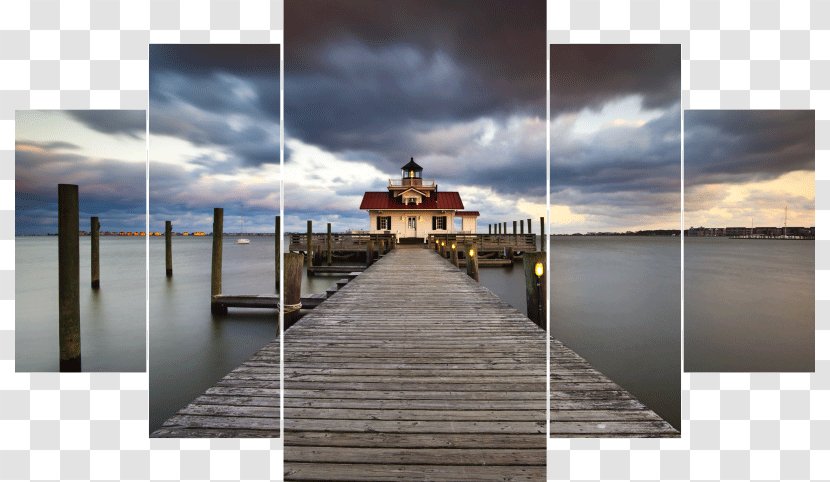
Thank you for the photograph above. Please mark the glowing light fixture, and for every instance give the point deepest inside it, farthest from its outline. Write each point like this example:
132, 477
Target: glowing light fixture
443, 244
472, 252
453, 246
539, 269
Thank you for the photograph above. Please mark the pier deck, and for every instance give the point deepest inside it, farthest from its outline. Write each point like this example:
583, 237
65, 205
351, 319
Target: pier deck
414, 371
244, 404
586, 403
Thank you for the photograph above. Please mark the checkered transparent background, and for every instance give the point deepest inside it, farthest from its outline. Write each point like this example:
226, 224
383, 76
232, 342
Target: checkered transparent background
737, 54
92, 54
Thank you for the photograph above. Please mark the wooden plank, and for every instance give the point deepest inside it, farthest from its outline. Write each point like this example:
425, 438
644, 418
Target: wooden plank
388, 375
243, 404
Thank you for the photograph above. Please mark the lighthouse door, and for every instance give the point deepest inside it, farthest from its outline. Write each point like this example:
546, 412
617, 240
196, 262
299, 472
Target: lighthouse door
411, 227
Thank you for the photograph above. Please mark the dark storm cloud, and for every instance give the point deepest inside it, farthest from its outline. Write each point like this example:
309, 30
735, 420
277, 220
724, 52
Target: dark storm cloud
223, 96
739, 146
588, 76
108, 188
128, 122
366, 79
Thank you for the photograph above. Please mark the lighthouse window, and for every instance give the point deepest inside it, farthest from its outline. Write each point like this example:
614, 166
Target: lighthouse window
439, 222
384, 222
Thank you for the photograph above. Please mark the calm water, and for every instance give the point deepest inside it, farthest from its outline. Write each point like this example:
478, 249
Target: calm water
190, 349
750, 305
113, 327
616, 301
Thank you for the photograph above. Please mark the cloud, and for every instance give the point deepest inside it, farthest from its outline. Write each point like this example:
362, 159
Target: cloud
589, 76
129, 122
732, 146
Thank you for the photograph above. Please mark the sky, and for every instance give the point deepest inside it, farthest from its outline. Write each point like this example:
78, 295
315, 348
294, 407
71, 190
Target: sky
459, 86
615, 137
214, 136
745, 168
102, 151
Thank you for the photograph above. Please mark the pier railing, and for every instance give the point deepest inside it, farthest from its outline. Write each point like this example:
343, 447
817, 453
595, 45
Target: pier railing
489, 242
339, 241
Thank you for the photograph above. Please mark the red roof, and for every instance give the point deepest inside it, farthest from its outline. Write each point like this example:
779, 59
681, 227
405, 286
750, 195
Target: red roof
438, 200
468, 213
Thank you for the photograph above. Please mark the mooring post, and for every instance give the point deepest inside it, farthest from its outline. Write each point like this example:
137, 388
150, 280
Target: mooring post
542, 233
529, 231
535, 286
277, 240
216, 262
370, 251
95, 259
69, 305
292, 279
454, 254
505, 227
514, 227
308, 252
521, 226
328, 244
472, 261
168, 248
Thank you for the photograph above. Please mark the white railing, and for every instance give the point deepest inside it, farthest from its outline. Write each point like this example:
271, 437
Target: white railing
411, 182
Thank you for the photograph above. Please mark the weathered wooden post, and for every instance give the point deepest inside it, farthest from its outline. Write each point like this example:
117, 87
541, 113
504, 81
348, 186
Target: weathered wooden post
505, 227
216, 262
472, 261
521, 226
168, 248
308, 250
277, 240
535, 286
69, 304
489, 229
454, 254
514, 227
542, 233
292, 279
95, 258
370, 251
442, 249
328, 244
529, 231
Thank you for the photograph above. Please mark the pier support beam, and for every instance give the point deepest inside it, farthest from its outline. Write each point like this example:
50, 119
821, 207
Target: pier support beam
168, 249
69, 305
95, 255
521, 226
308, 251
454, 254
529, 231
216, 262
292, 279
277, 241
328, 244
471, 253
370, 251
535, 287
489, 229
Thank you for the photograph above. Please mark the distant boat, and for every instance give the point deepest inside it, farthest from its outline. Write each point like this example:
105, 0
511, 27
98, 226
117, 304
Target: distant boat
241, 230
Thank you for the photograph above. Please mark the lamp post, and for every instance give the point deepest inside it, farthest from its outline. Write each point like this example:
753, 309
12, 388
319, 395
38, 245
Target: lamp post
539, 270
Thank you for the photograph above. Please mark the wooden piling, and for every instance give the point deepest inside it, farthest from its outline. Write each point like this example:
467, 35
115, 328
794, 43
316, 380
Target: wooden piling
168, 248
370, 251
95, 258
308, 251
535, 287
529, 230
454, 254
69, 305
514, 227
489, 229
542, 233
471, 254
277, 240
521, 226
292, 279
505, 227
216, 262
328, 244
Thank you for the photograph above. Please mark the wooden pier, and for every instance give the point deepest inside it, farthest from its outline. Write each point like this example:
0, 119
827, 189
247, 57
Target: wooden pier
414, 371
244, 404
586, 403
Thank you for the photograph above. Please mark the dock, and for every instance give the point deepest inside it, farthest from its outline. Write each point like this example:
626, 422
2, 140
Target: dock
586, 403
414, 371
243, 404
